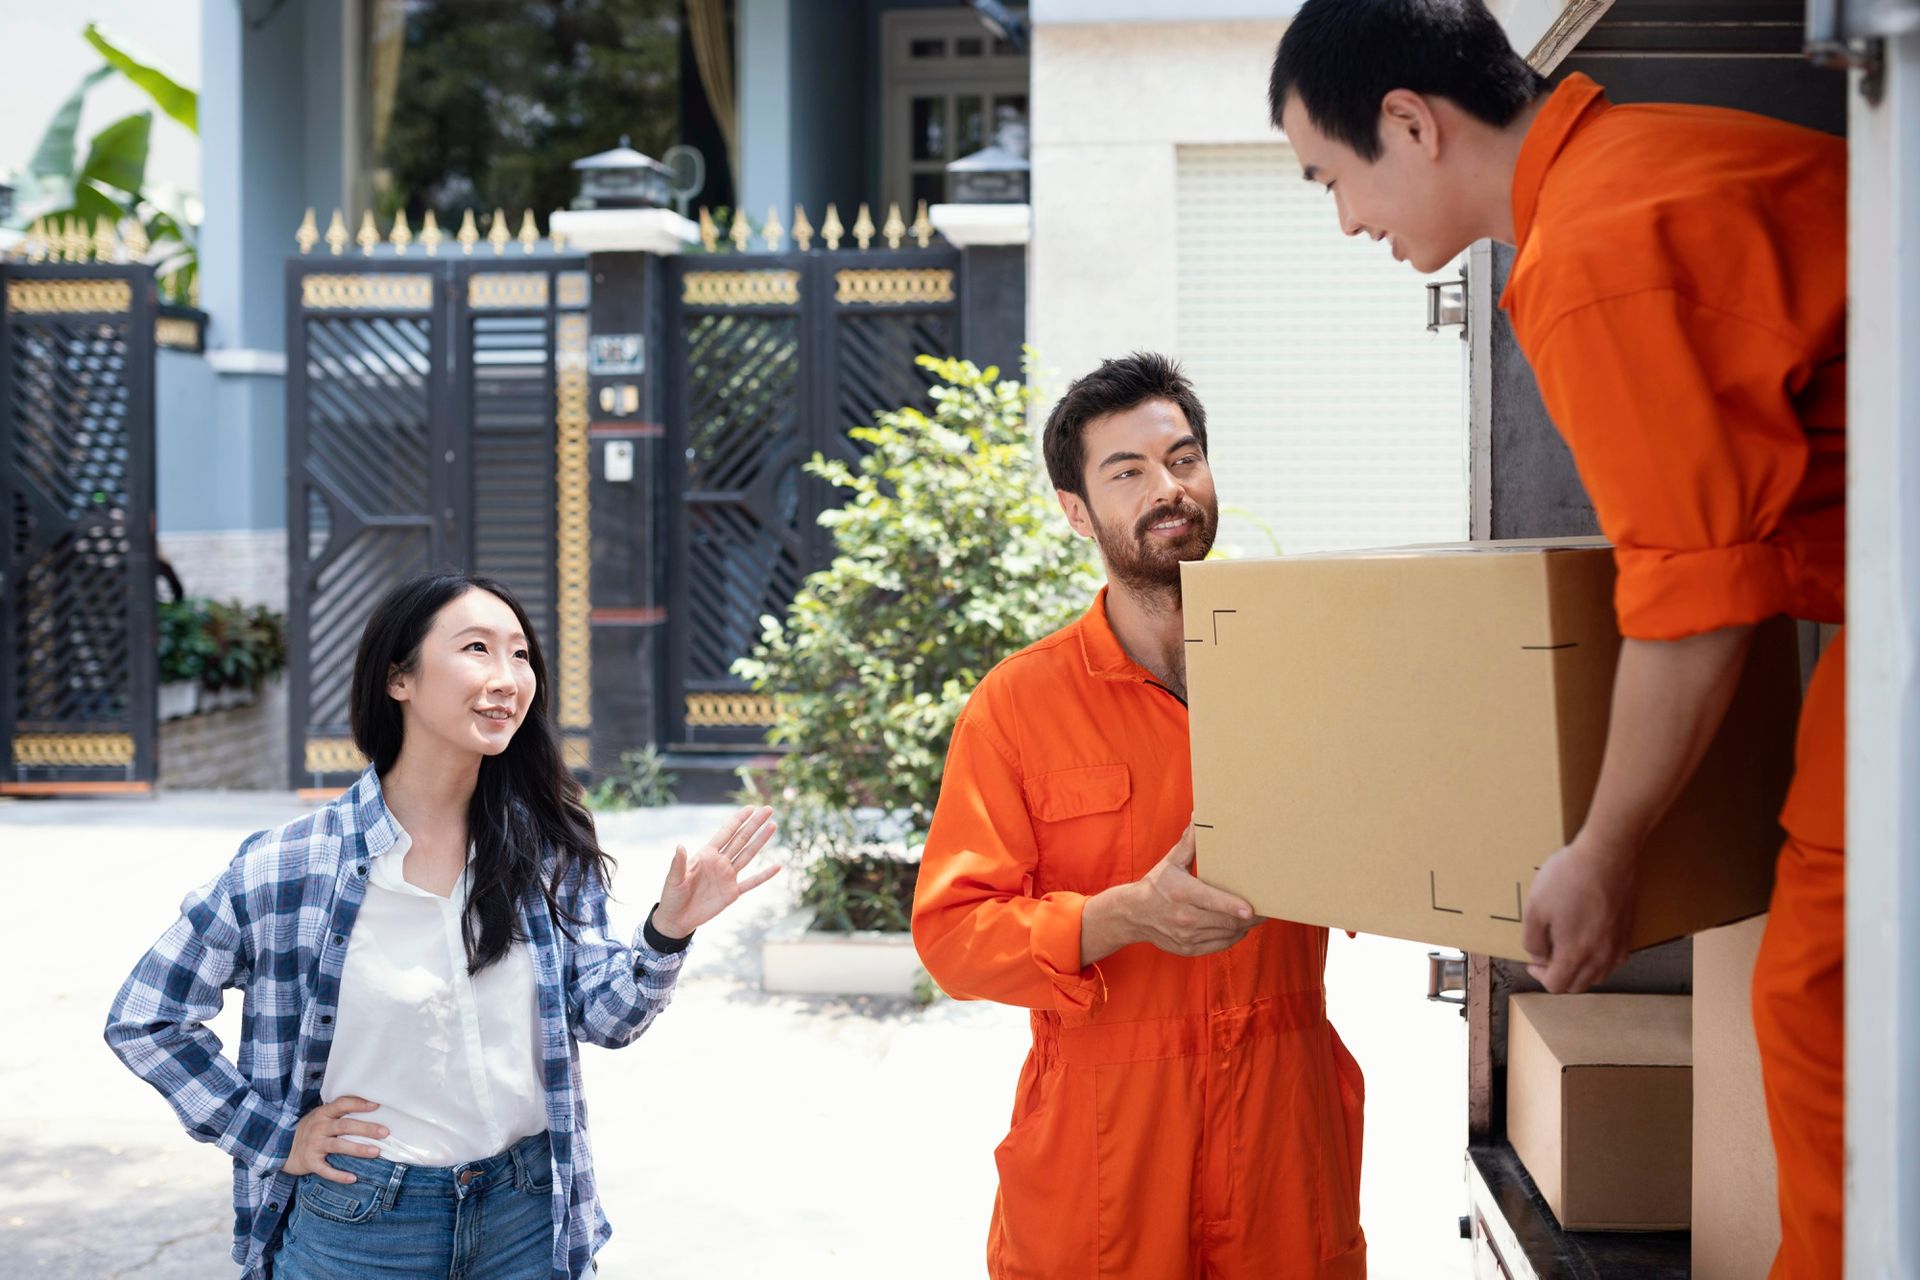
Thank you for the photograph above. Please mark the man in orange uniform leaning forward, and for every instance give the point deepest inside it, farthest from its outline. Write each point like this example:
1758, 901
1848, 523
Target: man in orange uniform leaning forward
1187, 1109
1679, 286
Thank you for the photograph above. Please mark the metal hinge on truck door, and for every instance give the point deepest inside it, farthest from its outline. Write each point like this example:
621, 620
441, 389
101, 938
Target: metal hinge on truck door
1447, 305
1447, 973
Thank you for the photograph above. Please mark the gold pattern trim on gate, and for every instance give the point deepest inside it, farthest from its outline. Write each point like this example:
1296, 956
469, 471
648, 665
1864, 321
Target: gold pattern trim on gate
725, 710
578, 752
740, 288
875, 287
106, 297
72, 750
379, 291
501, 289
572, 517
571, 288
334, 755
177, 332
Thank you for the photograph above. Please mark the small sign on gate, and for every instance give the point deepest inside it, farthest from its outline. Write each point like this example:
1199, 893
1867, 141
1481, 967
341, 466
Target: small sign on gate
613, 354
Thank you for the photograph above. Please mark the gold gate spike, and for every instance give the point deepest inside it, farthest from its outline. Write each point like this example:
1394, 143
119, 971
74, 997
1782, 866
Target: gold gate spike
469, 233
497, 233
402, 235
863, 227
77, 245
308, 235
772, 230
369, 233
831, 231
740, 232
553, 233
37, 241
923, 226
137, 243
896, 228
105, 243
709, 234
430, 236
529, 232
337, 235
802, 229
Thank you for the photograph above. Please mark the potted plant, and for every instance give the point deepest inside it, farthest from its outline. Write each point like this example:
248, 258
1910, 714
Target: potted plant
950, 554
215, 655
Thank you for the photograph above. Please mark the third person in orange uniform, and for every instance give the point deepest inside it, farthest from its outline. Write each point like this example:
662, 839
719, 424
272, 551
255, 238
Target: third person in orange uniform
1187, 1110
1679, 288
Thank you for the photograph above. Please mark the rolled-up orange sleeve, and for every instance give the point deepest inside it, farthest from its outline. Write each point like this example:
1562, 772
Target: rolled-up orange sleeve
1682, 422
980, 929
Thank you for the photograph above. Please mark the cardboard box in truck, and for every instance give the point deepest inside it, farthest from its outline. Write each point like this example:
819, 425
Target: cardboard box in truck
1600, 1107
1736, 1203
1394, 741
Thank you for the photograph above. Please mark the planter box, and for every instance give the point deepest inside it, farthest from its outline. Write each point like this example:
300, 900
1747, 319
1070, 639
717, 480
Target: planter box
799, 959
179, 698
226, 699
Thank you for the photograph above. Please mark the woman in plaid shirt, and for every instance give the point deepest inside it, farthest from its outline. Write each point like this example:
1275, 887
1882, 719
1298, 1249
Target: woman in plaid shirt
406, 1099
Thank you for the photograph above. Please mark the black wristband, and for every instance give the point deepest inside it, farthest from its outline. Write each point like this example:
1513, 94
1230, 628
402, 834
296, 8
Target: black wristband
659, 941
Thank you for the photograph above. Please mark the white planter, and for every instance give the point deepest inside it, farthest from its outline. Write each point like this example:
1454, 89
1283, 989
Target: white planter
179, 698
799, 959
224, 699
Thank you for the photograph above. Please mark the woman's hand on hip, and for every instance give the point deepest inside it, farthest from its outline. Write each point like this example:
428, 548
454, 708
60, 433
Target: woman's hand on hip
702, 885
323, 1131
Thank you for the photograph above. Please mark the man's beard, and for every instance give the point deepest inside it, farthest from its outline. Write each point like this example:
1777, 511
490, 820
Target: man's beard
1149, 567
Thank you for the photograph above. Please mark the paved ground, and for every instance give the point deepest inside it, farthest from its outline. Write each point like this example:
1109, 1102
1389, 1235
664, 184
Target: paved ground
747, 1135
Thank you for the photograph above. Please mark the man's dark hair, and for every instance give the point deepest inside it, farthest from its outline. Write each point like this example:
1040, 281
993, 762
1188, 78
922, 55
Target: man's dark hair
1341, 57
1115, 387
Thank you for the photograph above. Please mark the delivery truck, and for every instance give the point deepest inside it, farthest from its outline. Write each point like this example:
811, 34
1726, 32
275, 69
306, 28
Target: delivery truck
1849, 67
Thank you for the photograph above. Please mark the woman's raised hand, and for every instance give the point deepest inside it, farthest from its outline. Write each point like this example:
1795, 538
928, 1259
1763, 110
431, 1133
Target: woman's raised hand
702, 885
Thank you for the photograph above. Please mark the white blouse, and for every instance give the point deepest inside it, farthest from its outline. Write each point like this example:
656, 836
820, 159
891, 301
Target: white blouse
452, 1059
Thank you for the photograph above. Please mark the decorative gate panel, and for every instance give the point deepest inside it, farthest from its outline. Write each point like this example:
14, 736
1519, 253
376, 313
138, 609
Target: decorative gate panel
433, 422
77, 695
773, 358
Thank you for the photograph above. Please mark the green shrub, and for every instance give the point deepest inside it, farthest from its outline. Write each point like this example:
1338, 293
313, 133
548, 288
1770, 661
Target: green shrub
221, 646
641, 782
951, 553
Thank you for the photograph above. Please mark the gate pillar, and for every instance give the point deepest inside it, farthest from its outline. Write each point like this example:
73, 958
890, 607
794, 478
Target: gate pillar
616, 364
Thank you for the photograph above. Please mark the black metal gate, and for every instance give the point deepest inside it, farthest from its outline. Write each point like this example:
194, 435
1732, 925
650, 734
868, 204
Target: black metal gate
78, 688
772, 358
437, 417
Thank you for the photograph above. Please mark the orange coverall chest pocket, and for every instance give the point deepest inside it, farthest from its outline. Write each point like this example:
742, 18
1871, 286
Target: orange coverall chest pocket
1082, 827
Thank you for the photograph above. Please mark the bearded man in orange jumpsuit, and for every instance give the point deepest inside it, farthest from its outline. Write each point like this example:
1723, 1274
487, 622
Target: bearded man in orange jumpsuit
1186, 1110
1679, 287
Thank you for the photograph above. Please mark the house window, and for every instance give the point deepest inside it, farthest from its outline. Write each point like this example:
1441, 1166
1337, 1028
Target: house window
946, 86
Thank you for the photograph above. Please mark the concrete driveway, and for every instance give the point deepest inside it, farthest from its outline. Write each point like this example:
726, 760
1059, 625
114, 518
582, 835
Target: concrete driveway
746, 1135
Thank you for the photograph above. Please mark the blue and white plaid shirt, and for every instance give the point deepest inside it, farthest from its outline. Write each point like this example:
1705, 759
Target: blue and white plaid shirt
275, 923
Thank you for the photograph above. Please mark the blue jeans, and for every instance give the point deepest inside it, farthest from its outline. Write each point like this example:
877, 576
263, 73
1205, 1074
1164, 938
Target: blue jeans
488, 1219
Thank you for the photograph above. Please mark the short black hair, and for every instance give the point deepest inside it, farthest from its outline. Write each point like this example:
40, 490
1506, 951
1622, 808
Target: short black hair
1115, 387
1341, 57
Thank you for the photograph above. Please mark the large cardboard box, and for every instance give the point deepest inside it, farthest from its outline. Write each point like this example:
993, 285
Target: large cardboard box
1736, 1207
1600, 1105
1393, 741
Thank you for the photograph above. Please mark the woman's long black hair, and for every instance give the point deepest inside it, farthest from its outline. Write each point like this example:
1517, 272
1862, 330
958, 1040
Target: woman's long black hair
526, 806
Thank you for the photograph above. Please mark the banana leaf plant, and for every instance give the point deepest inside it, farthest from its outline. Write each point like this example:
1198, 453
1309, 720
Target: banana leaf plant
109, 182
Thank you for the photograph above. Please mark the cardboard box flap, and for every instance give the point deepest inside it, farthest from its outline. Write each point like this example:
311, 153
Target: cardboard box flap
1608, 1030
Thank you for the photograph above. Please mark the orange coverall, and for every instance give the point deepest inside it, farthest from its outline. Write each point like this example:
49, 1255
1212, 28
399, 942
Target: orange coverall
1175, 1117
1680, 289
